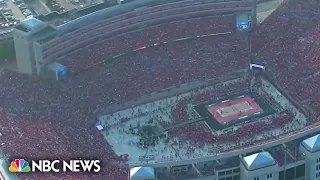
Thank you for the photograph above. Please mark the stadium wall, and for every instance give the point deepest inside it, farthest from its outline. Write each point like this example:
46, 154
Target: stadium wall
254, 148
101, 28
97, 16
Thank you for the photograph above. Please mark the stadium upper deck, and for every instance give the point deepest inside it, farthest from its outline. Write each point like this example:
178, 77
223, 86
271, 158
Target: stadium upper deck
100, 12
96, 26
64, 109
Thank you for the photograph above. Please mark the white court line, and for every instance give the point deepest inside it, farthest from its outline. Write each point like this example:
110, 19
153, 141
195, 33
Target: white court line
219, 111
248, 105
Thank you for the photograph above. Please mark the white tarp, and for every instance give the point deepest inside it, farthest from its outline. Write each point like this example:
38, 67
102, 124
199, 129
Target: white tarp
257, 66
99, 126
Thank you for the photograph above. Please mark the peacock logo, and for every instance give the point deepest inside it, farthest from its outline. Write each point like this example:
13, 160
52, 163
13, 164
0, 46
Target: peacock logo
19, 165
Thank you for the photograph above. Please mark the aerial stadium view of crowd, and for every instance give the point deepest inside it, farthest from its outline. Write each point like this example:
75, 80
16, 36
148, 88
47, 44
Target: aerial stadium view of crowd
55, 120
185, 128
109, 48
294, 59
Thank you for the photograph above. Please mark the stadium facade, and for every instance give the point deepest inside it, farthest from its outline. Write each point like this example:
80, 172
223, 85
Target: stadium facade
41, 44
82, 28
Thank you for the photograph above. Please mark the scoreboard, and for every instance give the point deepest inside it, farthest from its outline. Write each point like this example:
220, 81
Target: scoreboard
243, 22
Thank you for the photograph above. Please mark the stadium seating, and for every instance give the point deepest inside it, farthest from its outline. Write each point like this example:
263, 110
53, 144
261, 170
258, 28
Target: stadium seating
50, 129
56, 120
159, 68
56, 104
126, 43
291, 56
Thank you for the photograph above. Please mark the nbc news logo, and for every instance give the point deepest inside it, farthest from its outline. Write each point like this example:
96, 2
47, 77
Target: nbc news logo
21, 165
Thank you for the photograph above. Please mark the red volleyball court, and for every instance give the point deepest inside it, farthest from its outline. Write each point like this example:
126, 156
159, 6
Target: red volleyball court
230, 110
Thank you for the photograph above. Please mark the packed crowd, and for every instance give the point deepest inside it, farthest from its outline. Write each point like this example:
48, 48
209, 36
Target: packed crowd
50, 124
158, 68
291, 55
109, 48
60, 113
130, 21
221, 92
283, 122
179, 113
258, 126
272, 101
200, 135
60, 107
183, 110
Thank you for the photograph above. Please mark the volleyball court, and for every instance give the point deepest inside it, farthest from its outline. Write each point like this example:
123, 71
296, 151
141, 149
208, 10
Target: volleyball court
229, 110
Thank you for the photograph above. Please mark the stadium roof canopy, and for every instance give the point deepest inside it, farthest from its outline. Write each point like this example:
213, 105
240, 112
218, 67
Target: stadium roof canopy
142, 173
312, 143
31, 24
258, 160
37, 30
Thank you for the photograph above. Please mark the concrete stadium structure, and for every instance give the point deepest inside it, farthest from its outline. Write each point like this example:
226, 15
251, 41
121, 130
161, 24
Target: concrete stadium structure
107, 23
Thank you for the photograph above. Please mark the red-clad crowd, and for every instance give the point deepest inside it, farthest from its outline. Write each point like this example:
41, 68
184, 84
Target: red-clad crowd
180, 112
56, 120
41, 120
106, 49
159, 67
287, 44
199, 136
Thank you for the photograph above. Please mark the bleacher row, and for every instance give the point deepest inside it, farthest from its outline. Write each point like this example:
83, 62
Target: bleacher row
107, 49
39, 122
140, 18
287, 44
158, 68
61, 116
221, 92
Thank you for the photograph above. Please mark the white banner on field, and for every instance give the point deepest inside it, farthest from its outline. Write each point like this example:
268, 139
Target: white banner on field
257, 66
99, 126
